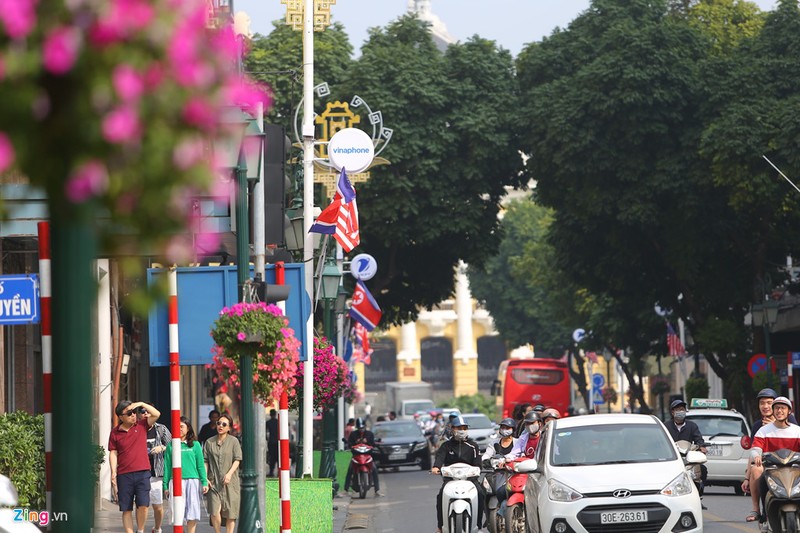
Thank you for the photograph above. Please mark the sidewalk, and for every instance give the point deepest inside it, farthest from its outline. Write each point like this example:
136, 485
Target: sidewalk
109, 519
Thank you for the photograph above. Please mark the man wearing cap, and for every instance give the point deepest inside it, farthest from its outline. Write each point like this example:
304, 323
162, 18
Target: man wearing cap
459, 449
681, 429
774, 436
502, 446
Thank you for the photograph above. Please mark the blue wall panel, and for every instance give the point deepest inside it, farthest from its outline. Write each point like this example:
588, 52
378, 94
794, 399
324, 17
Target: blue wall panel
202, 293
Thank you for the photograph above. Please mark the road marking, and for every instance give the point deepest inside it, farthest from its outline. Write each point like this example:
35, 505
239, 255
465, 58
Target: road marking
414, 487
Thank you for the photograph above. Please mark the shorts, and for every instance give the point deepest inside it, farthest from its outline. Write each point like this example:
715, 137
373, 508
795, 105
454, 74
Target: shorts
156, 490
133, 485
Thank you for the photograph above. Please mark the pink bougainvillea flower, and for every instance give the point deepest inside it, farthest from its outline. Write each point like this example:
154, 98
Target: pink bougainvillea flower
178, 250
18, 16
224, 42
246, 94
88, 181
241, 336
188, 153
60, 49
121, 125
200, 113
153, 76
128, 83
6, 152
207, 243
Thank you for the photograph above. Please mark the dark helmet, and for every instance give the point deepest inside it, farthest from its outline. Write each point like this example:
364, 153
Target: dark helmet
676, 403
458, 421
767, 393
533, 416
508, 422
360, 423
538, 408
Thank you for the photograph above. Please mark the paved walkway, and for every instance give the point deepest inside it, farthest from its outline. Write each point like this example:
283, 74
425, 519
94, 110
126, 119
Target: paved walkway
108, 519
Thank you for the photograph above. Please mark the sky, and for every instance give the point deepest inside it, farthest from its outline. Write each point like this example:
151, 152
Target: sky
511, 23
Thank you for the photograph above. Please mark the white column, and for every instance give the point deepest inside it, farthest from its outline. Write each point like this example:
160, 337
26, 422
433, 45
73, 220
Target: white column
104, 368
409, 345
466, 347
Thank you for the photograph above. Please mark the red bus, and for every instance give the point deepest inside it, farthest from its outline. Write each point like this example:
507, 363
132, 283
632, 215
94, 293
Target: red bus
537, 380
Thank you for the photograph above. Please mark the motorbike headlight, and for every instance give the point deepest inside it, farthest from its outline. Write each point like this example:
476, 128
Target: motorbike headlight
680, 486
776, 488
558, 492
796, 489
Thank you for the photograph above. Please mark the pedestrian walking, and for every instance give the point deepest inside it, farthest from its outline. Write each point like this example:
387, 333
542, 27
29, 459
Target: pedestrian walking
193, 472
368, 413
223, 454
209, 429
158, 438
130, 466
272, 441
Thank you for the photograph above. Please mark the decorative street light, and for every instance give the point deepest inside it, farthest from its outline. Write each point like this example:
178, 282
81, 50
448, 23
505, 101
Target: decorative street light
330, 296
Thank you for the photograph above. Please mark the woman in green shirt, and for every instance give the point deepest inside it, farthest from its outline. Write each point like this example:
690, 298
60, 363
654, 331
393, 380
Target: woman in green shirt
223, 454
193, 474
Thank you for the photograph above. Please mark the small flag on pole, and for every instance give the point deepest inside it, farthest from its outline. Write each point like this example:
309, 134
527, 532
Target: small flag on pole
361, 349
340, 218
364, 308
674, 345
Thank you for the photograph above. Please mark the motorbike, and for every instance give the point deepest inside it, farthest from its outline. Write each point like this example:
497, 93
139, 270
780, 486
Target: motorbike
494, 474
692, 460
515, 519
362, 465
782, 500
460, 498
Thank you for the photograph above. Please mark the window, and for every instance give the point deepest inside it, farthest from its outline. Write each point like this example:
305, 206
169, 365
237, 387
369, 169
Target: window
531, 376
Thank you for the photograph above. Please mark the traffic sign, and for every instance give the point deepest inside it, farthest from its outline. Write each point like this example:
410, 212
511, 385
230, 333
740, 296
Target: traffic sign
760, 363
19, 299
598, 380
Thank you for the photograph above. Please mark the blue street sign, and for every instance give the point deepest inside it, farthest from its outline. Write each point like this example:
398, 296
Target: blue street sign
598, 380
795, 359
19, 299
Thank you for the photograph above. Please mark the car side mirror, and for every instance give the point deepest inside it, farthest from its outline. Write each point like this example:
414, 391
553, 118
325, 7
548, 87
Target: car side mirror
746, 442
694, 457
526, 467
378, 440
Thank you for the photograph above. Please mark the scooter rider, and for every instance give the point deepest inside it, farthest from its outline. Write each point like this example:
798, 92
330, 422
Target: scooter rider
501, 446
774, 436
361, 435
765, 397
681, 429
459, 449
529, 439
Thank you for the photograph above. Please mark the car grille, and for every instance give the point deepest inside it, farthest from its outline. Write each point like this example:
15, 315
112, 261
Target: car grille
610, 494
657, 514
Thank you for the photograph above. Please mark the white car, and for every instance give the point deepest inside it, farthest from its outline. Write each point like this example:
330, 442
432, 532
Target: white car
481, 429
610, 472
723, 429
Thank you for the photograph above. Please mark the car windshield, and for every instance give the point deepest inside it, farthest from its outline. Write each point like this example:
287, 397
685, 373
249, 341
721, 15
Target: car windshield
611, 444
712, 425
478, 422
409, 429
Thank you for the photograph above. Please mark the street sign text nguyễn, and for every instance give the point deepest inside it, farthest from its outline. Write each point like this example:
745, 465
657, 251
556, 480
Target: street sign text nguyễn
19, 299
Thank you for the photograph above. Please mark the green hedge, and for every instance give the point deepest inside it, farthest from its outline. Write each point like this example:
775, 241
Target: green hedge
22, 456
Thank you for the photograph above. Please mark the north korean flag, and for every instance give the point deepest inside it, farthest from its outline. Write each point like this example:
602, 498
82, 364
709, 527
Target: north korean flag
364, 308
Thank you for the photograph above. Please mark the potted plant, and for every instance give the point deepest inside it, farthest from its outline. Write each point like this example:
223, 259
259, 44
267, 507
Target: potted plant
332, 378
261, 330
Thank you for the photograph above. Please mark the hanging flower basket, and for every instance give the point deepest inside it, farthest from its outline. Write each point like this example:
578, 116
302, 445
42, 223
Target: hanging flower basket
659, 385
259, 330
609, 395
332, 378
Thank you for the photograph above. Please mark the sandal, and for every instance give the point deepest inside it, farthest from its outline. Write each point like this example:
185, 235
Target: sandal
753, 516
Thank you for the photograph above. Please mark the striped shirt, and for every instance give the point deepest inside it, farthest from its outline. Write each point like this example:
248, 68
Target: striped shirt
770, 438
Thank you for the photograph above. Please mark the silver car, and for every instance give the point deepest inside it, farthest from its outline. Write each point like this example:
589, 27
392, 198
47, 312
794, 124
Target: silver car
481, 430
723, 429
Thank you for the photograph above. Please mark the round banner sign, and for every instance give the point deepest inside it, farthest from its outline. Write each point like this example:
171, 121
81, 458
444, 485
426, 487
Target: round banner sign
351, 149
363, 267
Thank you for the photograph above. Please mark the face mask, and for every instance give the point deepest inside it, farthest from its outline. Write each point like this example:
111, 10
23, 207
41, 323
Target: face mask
505, 432
533, 428
460, 434
680, 416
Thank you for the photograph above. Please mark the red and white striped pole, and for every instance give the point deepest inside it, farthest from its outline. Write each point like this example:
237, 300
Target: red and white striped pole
789, 376
178, 502
45, 295
283, 433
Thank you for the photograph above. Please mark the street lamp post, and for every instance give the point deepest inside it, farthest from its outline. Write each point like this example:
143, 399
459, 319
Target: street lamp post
765, 315
329, 293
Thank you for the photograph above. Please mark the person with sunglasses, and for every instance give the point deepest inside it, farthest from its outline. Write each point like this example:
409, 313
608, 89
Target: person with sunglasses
223, 454
130, 463
158, 438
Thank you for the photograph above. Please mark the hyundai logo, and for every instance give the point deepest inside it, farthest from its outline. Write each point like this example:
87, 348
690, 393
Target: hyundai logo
621, 493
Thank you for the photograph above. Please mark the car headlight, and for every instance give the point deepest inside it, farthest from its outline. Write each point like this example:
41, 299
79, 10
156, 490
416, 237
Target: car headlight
776, 488
418, 446
558, 492
680, 486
